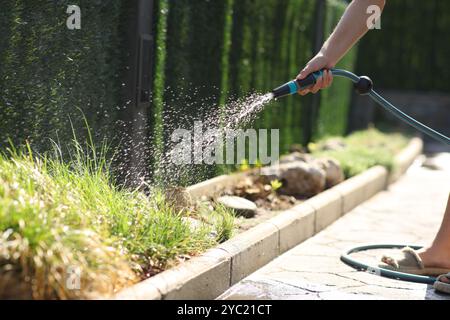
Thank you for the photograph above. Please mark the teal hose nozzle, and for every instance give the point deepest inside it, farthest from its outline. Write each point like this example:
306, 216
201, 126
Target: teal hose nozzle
363, 85
293, 86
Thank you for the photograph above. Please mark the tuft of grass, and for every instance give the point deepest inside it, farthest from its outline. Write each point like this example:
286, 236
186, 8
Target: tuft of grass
363, 149
223, 220
60, 219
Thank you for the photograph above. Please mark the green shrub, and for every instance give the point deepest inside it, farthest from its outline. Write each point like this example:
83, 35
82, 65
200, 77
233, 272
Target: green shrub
409, 64
335, 101
206, 53
48, 73
363, 149
57, 215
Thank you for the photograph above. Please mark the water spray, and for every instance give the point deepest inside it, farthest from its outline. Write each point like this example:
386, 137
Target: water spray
364, 86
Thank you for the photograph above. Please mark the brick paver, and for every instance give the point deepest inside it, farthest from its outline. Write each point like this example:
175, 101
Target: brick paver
410, 211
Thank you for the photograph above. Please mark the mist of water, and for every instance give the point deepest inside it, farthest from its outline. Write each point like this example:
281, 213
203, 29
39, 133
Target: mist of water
218, 122
183, 107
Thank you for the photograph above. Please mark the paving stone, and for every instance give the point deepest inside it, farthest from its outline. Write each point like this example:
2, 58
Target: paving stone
252, 249
183, 282
409, 211
328, 207
295, 225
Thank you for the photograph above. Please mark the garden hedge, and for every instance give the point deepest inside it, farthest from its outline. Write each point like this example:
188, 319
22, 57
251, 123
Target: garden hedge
206, 53
50, 76
336, 100
411, 50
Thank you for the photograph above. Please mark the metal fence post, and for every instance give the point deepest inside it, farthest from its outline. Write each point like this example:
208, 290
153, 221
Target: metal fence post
312, 109
138, 86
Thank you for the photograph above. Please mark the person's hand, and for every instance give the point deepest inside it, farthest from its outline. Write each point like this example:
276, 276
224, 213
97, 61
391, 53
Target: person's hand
319, 62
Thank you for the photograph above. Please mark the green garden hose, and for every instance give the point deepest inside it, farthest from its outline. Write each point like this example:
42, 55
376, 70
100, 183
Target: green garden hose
346, 258
364, 86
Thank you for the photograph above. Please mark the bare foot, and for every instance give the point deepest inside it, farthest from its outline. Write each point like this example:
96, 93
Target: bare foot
445, 279
439, 258
432, 257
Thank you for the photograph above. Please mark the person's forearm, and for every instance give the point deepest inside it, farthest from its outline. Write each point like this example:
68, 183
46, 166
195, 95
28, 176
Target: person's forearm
351, 27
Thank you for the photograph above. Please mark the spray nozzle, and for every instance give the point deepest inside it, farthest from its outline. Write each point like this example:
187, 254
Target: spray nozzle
293, 86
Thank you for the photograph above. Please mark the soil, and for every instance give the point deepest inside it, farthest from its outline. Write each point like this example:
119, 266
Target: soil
268, 200
255, 189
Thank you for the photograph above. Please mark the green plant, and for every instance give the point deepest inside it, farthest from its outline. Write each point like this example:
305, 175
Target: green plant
223, 220
57, 215
362, 150
47, 71
258, 164
335, 102
398, 67
159, 79
276, 184
244, 165
219, 216
206, 53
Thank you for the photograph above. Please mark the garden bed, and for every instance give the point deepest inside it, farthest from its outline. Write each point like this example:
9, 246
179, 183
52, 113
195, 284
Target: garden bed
207, 276
300, 174
62, 218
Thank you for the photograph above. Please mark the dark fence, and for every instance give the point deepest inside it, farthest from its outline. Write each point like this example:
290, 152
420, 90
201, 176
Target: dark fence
408, 60
50, 76
411, 50
205, 53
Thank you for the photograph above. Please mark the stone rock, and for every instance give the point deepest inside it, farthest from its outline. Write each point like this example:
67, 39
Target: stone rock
178, 198
297, 148
270, 173
241, 206
333, 144
333, 171
296, 156
298, 178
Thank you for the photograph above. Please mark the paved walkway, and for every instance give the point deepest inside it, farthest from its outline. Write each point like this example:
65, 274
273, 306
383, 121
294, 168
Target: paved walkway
409, 212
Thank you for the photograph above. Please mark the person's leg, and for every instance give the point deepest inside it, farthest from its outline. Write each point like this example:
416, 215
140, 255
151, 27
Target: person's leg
442, 238
435, 257
438, 254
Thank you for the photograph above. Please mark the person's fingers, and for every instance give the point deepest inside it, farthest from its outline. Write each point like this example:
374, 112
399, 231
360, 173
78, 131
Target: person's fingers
303, 92
323, 82
318, 85
331, 78
328, 79
305, 72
